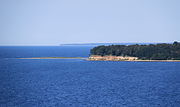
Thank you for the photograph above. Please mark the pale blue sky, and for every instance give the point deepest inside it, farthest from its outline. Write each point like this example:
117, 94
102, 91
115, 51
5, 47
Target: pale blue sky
53, 22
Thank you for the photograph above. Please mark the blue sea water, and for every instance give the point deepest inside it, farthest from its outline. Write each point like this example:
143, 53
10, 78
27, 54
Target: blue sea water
81, 83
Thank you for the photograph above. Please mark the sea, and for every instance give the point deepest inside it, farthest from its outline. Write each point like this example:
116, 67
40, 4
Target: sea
82, 83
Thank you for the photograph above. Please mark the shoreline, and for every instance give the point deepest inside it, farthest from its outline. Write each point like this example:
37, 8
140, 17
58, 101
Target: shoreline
89, 59
139, 60
124, 58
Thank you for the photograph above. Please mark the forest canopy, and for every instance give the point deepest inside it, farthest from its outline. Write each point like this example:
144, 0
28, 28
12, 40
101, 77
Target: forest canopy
162, 51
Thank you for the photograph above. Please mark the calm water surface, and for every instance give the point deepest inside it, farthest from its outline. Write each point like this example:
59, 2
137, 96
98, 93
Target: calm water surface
74, 82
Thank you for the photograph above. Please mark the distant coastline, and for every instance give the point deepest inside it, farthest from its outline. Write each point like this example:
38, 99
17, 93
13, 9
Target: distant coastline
98, 44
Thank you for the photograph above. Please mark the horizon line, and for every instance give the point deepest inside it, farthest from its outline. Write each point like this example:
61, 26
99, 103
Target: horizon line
91, 43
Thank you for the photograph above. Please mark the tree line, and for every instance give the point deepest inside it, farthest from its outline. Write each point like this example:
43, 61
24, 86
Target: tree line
161, 51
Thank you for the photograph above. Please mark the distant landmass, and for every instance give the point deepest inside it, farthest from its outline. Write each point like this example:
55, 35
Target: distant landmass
160, 51
98, 44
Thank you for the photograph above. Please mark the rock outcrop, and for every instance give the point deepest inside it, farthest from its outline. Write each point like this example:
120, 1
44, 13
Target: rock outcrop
111, 58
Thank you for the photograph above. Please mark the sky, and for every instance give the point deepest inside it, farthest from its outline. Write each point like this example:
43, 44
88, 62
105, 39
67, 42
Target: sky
54, 22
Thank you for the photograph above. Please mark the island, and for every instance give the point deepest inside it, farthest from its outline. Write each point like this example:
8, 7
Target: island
136, 52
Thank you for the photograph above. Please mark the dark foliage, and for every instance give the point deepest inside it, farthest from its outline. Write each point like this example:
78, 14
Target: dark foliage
152, 51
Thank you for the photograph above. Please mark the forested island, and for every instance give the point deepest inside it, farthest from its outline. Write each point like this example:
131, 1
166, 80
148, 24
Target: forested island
162, 51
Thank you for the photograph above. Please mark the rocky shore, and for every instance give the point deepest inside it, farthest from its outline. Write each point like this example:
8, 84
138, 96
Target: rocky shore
111, 58
124, 58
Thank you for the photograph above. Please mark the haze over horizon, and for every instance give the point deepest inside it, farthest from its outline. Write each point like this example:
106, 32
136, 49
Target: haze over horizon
54, 22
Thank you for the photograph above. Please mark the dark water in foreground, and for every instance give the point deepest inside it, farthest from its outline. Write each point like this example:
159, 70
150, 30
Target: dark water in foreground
74, 82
